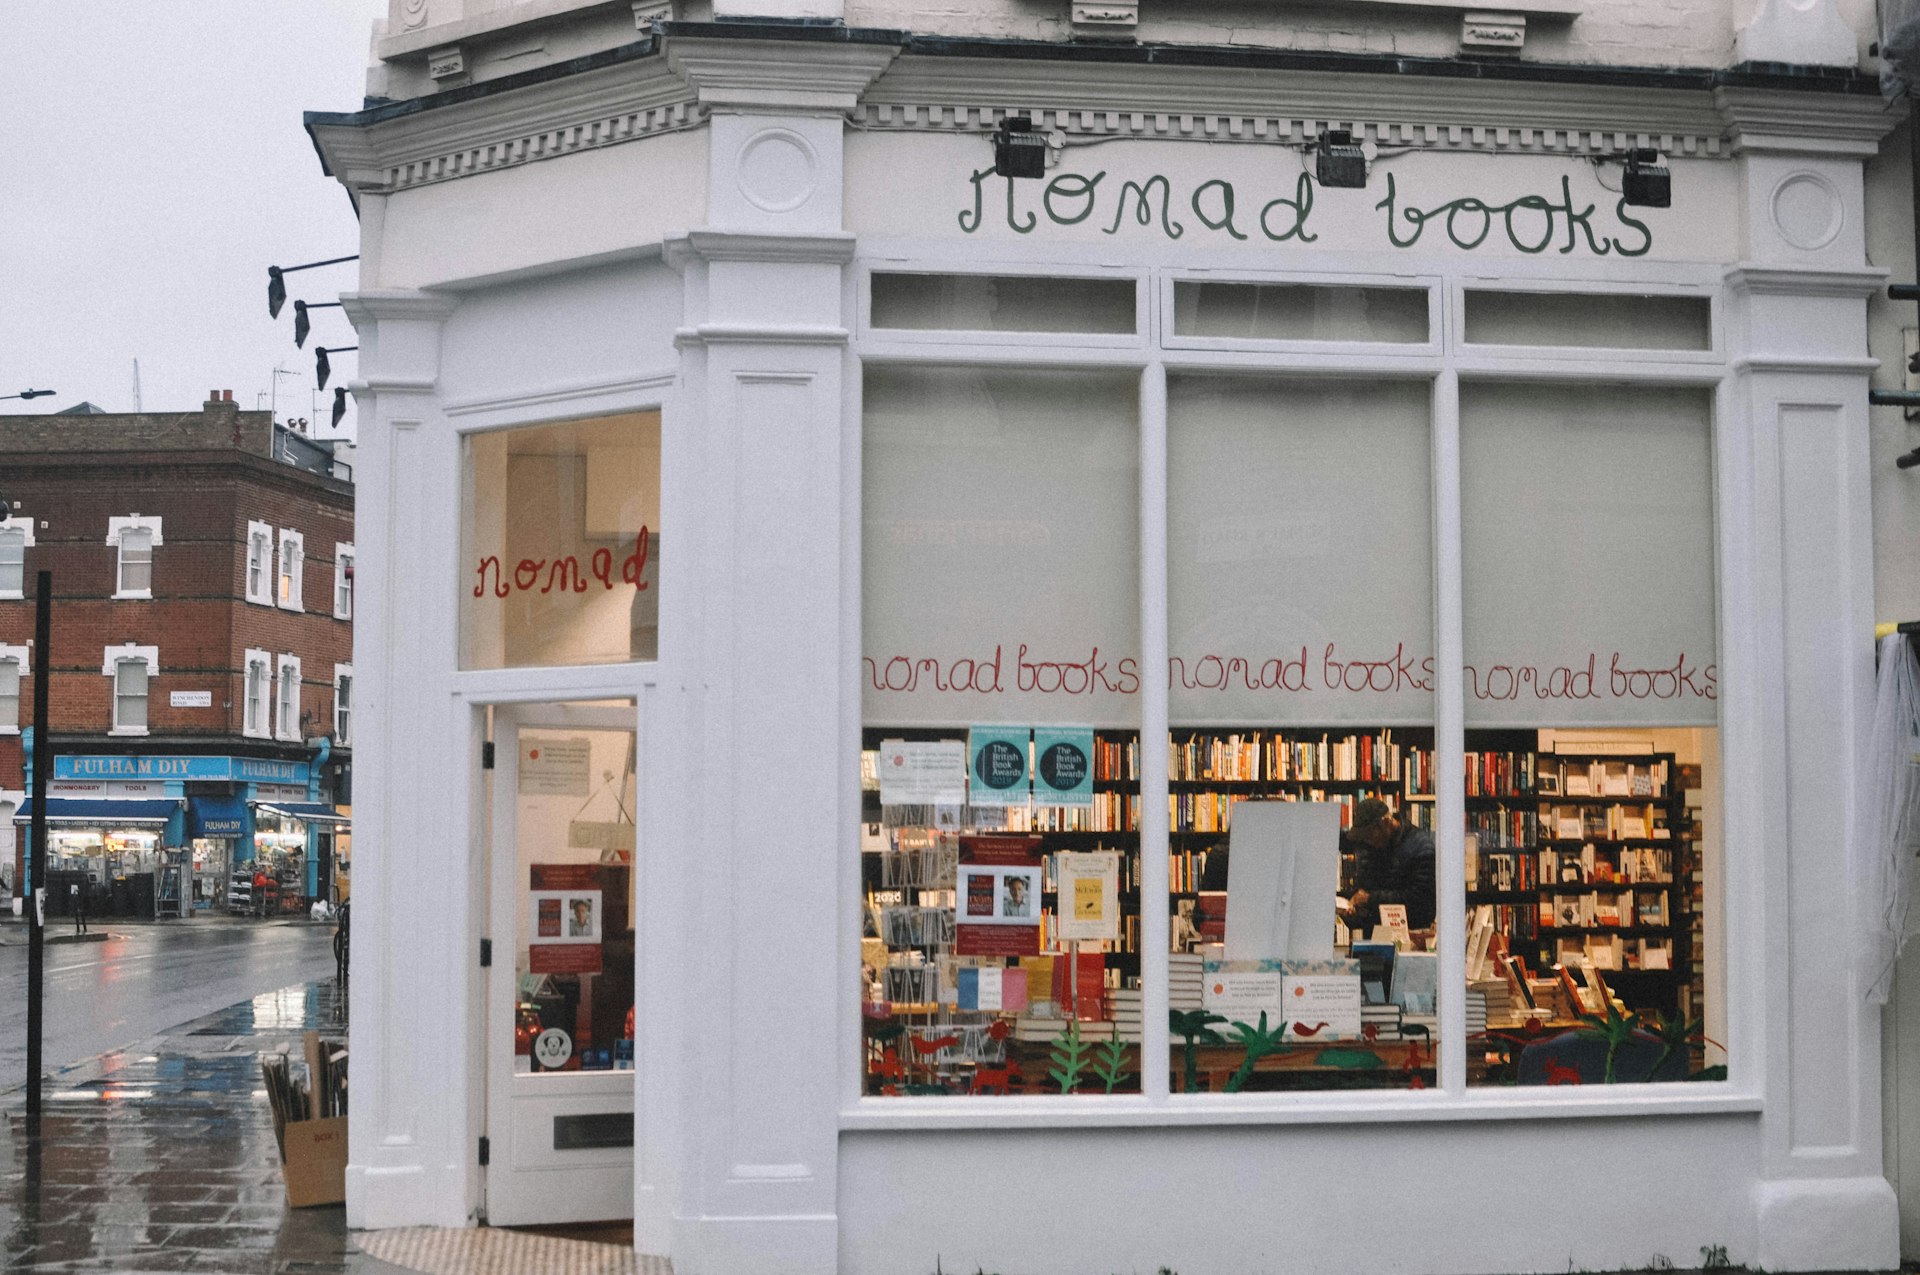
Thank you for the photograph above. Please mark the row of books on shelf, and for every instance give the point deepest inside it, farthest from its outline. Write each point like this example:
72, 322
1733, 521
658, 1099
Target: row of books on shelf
1623, 908
1499, 774
1606, 823
1603, 777
1512, 870
1615, 952
1277, 757
1213, 811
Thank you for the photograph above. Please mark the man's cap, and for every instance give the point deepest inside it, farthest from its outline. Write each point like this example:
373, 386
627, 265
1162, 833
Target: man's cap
1369, 812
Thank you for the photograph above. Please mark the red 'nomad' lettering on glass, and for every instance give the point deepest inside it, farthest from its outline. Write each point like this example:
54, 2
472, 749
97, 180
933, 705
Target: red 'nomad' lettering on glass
544, 575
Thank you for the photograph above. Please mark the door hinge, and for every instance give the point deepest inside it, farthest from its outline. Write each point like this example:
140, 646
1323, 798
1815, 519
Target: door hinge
486, 953
486, 1152
486, 755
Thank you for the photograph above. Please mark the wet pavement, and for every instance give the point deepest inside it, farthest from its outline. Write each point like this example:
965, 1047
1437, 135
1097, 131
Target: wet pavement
162, 1157
146, 977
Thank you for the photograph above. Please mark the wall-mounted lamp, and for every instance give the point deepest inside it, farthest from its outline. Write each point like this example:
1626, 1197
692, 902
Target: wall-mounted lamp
300, 324
340, 410
1647, 183
322, 366
277, 288
1018, 149
1338, 161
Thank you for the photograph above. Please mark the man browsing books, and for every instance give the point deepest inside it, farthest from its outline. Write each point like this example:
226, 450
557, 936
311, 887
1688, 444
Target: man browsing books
1393, 863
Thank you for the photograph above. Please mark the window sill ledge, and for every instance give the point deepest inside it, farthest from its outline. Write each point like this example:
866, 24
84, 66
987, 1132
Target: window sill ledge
1208, 1111
129, 731
293, 610
135, 595
259, 602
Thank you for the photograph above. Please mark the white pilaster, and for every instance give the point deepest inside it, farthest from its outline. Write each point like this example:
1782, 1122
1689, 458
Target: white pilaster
413, 1000
1797, 433
765, 369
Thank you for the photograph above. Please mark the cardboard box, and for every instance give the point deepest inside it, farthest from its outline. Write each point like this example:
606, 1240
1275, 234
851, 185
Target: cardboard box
316, 1162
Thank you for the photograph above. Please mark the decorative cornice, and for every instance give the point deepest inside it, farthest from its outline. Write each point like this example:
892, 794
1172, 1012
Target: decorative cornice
1215, 103
778, 74
594, 109
1782, 281
1826, 126
377, 304
723, 245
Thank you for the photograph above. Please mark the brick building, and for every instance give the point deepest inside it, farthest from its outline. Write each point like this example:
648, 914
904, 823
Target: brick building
202, 643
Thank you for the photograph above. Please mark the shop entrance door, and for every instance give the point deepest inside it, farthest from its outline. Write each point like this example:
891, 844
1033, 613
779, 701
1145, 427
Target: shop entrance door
560, 1081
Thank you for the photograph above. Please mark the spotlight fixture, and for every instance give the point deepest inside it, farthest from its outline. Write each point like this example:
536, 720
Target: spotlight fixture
1647, 183
1018, 149
28, 394
339, 410
277, 287
1338, 161
322, 365
301, 327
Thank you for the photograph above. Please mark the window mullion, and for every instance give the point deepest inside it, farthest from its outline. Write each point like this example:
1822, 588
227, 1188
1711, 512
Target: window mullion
1449, 737
1155, 929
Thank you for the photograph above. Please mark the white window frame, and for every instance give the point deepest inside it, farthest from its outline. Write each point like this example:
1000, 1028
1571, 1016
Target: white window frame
260, 559
289, 572
22, 525
342, 580
116, 528
21, 657
1444, 364
343, 704
256, 695
287, 676
110, 664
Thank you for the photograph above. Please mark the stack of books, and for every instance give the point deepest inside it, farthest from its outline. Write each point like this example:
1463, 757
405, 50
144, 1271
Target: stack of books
1124, 1003
1184, 977
1497, 996
1385, 1020
1476, 1012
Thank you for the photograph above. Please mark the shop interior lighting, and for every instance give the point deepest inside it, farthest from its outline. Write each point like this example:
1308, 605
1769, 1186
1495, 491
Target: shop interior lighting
1338, 161
1018, 149
277, 287
1647, 183
322, 366
300, 324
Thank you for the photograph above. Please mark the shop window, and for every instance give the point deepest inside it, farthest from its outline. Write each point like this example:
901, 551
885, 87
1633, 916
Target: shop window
257, 695
14, 663
292, 571
260, 563
342, 581
1610, 320
560, 561
134, 538
1592, 801
1003, 303
1000, 862
16, 537
343, 703
131, 668
1299, 312
1301, 699
287, 699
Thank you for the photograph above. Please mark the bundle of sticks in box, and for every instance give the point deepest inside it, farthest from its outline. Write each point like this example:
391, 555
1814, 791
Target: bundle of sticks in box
321, 1093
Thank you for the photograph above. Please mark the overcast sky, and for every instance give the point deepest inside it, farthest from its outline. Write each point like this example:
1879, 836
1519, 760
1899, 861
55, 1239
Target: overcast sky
152, 165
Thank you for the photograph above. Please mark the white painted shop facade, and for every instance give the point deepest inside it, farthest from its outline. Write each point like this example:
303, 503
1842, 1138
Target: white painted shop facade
746, 252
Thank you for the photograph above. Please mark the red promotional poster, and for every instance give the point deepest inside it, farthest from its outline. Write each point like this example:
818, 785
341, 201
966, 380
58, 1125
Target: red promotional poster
566, 921
999, 897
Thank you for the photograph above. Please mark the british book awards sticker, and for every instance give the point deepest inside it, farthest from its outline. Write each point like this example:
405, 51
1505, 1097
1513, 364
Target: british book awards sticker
997, 773
1063, 769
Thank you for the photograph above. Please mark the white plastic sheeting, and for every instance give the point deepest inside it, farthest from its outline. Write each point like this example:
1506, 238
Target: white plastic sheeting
1893, 813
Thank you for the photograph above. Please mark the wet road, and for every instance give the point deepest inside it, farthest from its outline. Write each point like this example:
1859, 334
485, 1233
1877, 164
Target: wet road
146, 979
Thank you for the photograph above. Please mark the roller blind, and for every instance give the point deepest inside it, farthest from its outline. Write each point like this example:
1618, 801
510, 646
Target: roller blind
1300, 551
1001, 547
1587, 555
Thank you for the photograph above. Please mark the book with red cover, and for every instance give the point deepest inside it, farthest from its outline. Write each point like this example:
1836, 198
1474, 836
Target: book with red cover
1092, 1004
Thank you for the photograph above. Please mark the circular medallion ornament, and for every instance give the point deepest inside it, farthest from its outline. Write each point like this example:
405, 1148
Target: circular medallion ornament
552, 1048
776, 170
1807, 211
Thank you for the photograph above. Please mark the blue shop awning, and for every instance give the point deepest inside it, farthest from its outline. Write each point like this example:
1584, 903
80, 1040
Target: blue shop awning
217, 817
305, 811
101, 812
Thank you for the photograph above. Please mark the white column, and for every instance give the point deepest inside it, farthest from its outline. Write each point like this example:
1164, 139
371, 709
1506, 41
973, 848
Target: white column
413, 1000
766, 372
1794, 437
